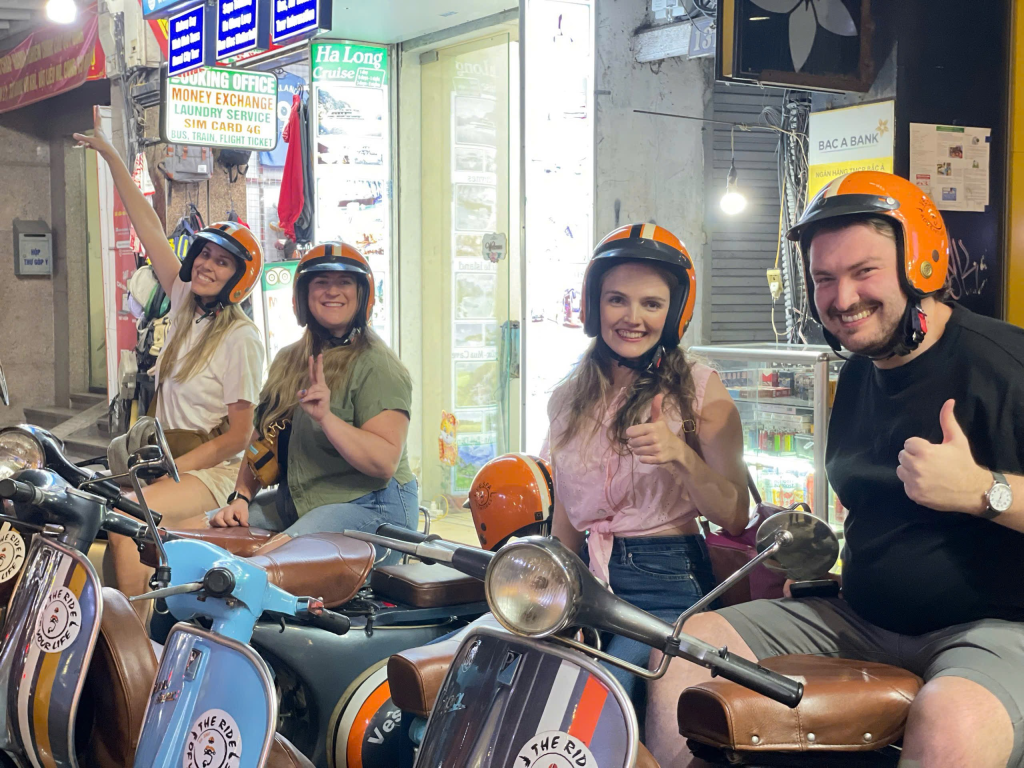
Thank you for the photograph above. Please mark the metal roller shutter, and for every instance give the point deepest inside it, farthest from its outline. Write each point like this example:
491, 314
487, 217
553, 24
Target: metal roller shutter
742, 247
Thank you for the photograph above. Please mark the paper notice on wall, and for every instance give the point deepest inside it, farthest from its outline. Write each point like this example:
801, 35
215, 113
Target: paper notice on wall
951, 164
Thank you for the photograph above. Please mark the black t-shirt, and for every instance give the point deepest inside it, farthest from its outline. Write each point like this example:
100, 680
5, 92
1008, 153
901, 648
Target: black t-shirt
908, 568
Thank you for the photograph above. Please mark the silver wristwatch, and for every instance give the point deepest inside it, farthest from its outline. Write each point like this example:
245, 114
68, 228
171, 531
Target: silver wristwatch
999, 496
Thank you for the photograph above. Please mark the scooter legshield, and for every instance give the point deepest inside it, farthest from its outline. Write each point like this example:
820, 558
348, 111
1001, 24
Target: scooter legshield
48, 642
511, 702
212, 705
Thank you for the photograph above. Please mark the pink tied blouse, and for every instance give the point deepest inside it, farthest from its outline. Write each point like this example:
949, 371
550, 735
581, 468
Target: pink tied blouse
613, 494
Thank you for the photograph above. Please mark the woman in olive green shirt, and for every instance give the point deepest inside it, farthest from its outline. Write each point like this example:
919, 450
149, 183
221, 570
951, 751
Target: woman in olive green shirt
344, 460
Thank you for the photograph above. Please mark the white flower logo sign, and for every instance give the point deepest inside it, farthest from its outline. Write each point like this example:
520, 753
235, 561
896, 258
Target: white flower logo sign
804, 18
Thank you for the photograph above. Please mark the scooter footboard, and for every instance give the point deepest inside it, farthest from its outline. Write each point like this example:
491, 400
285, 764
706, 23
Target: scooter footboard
212, 706
510, 701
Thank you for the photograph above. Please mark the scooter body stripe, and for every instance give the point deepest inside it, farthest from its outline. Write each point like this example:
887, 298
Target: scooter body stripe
354, 757
45, 681
26, 690
558, 700
588, 711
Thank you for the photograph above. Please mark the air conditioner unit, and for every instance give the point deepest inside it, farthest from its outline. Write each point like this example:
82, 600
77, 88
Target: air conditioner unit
140, 45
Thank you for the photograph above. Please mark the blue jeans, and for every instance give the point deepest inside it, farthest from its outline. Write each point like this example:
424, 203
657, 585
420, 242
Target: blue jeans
395, 504
663, 575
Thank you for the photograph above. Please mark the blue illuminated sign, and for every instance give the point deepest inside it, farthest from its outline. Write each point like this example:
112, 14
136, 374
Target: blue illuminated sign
242, 26
299, 17
188, 41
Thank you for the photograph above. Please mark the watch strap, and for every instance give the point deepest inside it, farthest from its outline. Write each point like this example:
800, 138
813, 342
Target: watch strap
236, 495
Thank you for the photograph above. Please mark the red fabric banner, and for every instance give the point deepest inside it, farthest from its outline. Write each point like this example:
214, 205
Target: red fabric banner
51, 60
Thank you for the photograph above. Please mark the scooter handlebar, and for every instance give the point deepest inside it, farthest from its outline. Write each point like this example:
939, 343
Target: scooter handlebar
15, 490
782, 689
402, 534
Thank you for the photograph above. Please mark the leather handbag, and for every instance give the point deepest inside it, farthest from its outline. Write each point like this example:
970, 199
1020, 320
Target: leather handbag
263, 454
729, 553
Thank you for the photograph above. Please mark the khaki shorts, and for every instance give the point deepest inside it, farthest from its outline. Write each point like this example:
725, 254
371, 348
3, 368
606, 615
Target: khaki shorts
219, 480
988, 652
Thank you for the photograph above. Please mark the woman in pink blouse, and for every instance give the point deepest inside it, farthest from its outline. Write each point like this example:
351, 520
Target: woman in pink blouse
642, 440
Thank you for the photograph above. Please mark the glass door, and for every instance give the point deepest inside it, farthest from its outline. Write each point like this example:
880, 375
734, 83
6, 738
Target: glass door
468, 277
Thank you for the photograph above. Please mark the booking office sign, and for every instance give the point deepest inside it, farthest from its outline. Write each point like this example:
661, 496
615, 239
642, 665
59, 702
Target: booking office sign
220, 107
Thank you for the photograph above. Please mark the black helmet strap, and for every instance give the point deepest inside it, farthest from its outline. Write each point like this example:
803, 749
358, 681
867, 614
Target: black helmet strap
648, 362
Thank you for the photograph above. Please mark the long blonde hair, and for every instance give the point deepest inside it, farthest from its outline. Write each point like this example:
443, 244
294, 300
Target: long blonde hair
200, 355
290, 371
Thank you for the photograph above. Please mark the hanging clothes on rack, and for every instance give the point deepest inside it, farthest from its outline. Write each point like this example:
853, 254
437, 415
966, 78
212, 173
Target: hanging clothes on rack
292, 197
304, 224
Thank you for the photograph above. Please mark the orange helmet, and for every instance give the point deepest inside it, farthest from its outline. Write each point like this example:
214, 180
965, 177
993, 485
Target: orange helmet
332, 257
241, 243
651, 244
511, 495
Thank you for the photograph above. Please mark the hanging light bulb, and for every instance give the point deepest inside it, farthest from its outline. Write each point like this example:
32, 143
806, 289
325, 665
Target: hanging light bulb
61, 11
733, 201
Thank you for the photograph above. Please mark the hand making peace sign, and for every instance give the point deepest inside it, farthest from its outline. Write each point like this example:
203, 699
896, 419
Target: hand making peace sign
316, 401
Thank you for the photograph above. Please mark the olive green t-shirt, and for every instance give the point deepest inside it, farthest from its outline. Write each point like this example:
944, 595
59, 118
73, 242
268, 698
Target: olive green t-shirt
317, 473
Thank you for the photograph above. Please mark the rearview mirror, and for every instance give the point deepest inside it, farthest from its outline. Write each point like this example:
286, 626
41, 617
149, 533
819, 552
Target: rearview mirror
811, 552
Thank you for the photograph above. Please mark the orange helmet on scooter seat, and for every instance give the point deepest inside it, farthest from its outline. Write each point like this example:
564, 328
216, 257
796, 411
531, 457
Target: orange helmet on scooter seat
648, 244
241, 243
511, 495
332, 257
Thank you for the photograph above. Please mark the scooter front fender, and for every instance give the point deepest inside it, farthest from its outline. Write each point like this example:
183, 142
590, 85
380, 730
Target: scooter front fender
213, 704
512, 701
48, 642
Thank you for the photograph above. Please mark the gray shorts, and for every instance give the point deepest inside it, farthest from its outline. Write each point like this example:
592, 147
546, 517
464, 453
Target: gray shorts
988, 652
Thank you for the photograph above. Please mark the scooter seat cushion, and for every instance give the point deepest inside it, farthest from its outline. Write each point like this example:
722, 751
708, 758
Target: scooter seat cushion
330, 566
848, 706
239, 541
117, 686
426, 586
416, 675
283, 754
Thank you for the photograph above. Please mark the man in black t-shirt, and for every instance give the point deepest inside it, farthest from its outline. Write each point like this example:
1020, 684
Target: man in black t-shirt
926, 451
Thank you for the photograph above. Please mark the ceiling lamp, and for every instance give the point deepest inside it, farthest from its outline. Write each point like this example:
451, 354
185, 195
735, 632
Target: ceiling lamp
61, 11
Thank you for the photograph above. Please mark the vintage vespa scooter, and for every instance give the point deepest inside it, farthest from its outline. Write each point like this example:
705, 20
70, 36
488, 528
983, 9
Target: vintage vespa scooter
535, 696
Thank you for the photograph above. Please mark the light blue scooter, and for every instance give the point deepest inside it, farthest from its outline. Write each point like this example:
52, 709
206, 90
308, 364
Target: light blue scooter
213, 704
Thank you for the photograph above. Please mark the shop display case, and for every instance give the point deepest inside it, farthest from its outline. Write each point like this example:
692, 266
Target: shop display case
784, 394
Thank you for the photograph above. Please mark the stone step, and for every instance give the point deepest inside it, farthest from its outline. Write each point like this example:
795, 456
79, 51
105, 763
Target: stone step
48, 416
86, 443
82, 400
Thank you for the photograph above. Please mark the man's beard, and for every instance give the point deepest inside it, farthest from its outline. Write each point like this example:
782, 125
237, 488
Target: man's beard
891, 339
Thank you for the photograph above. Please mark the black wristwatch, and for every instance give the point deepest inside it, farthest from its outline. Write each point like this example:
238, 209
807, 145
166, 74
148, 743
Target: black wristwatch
236, 495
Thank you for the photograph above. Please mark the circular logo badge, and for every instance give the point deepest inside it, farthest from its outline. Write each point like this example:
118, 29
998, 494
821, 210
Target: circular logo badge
214, 741
59, 621
554, 749
285, 277
12, 555
272, 276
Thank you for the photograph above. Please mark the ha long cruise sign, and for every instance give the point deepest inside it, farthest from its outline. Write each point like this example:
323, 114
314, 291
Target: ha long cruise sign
219, 107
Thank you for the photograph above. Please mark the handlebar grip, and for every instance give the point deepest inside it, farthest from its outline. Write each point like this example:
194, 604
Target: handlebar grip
130, 507
472, 562
330, 621
402, 534
15, 490
755, 677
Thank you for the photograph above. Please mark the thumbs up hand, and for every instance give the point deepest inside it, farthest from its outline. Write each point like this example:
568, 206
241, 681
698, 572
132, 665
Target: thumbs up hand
944, 476
654, 442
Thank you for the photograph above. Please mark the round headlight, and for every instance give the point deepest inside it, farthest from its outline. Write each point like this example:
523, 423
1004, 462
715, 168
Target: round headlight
529, 590
19, 450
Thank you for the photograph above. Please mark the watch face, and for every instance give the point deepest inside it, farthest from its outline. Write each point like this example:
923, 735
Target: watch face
1000, 497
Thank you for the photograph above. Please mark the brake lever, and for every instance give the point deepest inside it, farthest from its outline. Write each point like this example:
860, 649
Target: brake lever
181, 589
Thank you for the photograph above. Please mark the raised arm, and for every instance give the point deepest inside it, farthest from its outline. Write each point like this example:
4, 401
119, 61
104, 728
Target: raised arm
140, 212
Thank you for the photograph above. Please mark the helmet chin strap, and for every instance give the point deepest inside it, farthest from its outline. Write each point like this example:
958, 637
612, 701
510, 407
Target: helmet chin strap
210, 309
329, 341
648, 362
907, 337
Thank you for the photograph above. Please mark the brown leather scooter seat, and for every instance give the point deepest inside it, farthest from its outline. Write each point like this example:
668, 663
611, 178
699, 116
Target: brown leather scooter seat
118, 686
426, 586
415, 677
848, 706
330, 566
239, 541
